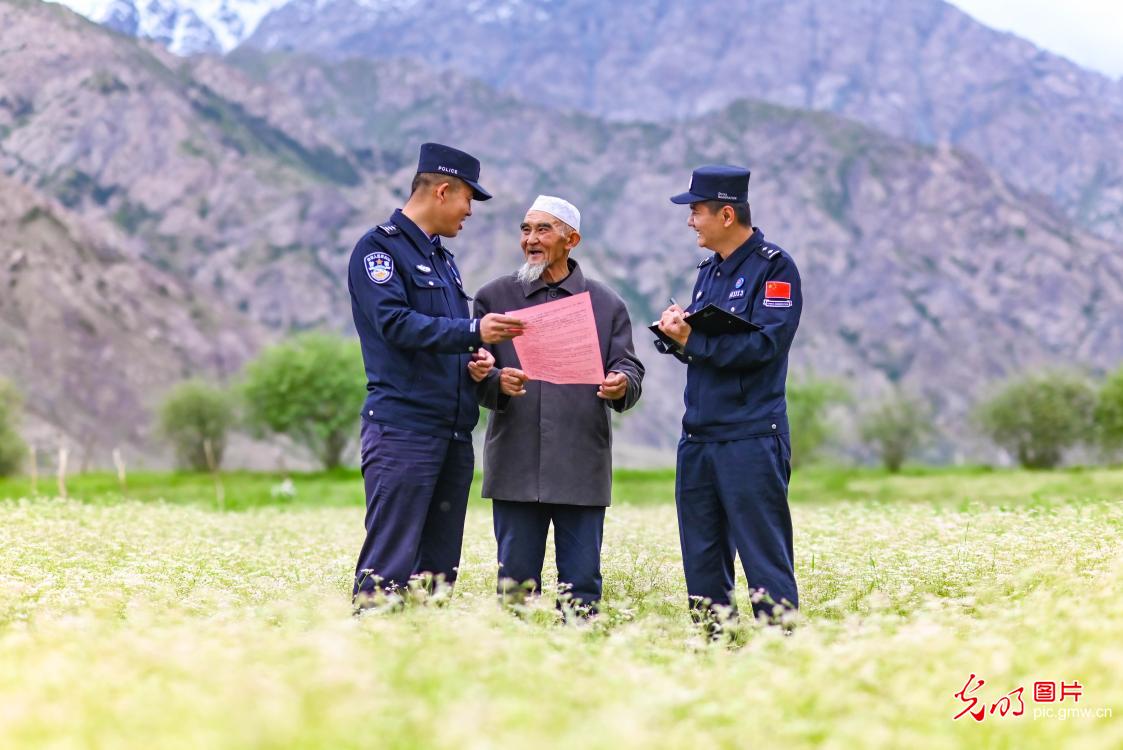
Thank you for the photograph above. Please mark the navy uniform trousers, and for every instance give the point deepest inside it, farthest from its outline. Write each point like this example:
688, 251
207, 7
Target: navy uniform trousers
417, 496
732, 497
520, 533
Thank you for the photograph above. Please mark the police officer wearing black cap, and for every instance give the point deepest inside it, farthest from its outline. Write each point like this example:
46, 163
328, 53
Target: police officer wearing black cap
421, 351
734, 456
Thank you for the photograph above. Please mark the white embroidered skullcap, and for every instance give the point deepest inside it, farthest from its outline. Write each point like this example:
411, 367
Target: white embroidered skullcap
558, 208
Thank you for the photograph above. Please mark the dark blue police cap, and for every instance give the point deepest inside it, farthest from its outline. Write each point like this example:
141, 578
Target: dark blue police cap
717, 182
440, 159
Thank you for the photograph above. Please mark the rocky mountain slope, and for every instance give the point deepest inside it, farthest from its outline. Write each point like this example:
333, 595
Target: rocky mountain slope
147, 222
922, 267
92, 336
247, 180
128, 134
919, 69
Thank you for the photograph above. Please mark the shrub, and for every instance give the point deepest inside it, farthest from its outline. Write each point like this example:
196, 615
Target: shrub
1109, 414
309, 389
13, 451
193, 413
897, 428
809, 405
1038, 417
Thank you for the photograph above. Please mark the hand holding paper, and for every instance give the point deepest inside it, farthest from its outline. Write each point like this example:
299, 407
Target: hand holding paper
559, 343
495, 328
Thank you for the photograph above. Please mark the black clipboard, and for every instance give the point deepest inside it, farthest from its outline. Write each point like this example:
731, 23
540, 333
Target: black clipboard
710, 320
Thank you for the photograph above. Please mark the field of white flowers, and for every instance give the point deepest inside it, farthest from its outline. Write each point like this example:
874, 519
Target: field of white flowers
148, 625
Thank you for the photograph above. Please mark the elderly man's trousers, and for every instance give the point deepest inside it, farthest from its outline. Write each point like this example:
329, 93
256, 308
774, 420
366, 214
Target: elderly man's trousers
732, 498
417, 496
520, 533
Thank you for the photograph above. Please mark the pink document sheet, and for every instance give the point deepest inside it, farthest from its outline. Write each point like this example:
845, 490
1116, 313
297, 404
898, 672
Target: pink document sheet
560, 344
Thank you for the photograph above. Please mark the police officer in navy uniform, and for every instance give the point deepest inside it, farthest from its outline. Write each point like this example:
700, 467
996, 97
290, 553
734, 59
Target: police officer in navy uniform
421, 350
734, 456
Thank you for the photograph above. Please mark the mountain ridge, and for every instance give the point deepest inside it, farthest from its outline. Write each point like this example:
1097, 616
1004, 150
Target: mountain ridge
908, 251
921, 69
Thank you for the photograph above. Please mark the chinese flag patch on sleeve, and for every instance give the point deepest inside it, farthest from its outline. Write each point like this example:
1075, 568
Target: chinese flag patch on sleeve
777, 290
777, 294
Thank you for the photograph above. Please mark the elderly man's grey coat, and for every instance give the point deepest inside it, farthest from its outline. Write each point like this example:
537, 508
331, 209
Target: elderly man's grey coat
554, 445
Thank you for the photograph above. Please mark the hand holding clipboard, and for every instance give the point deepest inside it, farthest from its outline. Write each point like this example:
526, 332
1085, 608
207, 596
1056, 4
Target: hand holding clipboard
710, 320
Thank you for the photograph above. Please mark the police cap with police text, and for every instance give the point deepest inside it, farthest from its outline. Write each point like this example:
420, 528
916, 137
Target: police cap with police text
440, 159
717, 182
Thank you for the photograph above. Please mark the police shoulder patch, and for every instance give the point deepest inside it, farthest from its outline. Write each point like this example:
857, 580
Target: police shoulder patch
768, 252
380, 267
389, 229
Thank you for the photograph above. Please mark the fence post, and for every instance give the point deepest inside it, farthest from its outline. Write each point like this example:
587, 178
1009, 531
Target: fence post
219, 492
119, 462
34, 451
63, 455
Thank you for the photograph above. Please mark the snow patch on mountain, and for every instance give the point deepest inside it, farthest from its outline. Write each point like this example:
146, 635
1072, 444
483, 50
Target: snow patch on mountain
186, 27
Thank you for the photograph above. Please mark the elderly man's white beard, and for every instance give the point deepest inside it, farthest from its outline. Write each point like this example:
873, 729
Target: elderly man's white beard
531, 272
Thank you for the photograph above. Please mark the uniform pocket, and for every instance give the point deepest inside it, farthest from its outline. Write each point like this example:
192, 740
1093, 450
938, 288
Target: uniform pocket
737, 306
428, 282
783, 446
429, 293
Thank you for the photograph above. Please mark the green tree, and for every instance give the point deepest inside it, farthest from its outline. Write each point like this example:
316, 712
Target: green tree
192, 414
897, 428
13, 451
1038, 417
809, 405
309, 389
1109, 414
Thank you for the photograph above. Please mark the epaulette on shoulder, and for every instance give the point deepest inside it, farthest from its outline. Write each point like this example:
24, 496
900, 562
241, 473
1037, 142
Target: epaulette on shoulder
706, 261
389, 229
768, 252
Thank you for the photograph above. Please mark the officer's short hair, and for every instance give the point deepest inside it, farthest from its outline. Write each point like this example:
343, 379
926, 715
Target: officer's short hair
425, 180
740, 211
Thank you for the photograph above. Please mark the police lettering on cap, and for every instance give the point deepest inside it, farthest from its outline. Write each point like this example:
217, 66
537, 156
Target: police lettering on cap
717, 182
437, 158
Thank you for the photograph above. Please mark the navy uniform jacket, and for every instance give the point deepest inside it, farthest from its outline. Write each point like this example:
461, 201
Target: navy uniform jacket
735, 381
417, 336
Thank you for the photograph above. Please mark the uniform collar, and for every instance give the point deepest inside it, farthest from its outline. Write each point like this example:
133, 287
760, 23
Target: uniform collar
436, 244
734, 261
574, 283
420, 240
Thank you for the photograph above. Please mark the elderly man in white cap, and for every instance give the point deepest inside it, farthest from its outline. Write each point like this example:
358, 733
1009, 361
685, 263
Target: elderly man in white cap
548, 453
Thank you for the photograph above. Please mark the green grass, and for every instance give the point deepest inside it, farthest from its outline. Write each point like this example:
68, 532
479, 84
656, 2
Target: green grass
130, 622
243, 489
343, 487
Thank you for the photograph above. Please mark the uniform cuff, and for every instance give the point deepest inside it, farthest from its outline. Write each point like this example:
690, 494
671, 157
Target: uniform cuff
695, 347
474, 339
